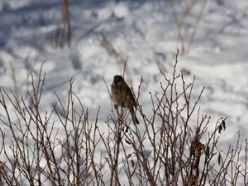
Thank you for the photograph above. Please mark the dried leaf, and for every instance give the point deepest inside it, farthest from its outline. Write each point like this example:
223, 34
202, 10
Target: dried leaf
129, 155
219, 159
198, 149
220, 128
224, 124
128, 142
186, 71
132, 163
207, 151
193, 179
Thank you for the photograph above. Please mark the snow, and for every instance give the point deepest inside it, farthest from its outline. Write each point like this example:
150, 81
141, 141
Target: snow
145, 34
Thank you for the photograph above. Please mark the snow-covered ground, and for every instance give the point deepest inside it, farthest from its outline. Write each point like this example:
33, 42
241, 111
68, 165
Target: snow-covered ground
143, 32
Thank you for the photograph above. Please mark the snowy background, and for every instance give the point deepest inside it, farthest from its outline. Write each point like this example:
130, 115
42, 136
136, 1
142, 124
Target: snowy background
144, 33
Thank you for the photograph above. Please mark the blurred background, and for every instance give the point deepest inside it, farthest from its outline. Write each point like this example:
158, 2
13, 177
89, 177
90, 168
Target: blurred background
92, 40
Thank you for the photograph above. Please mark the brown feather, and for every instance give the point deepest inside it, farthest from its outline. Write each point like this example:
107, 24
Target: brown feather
122, 96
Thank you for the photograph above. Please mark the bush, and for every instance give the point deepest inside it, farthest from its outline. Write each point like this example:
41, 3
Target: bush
62, 147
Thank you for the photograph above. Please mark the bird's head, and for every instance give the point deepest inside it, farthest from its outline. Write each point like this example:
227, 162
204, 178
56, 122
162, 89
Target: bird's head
118, 79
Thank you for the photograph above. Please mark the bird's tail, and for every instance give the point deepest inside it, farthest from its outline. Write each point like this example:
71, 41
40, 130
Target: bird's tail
134, 118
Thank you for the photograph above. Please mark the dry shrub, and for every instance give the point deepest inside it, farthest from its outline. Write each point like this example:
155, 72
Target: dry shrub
63, 147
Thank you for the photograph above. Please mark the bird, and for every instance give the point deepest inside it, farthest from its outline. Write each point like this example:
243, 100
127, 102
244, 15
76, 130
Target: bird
122, 96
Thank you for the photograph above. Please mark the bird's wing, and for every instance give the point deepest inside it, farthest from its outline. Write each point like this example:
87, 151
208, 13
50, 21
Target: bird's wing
131, 95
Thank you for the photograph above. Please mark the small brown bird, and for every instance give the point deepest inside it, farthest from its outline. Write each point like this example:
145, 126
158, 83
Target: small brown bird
122, 96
